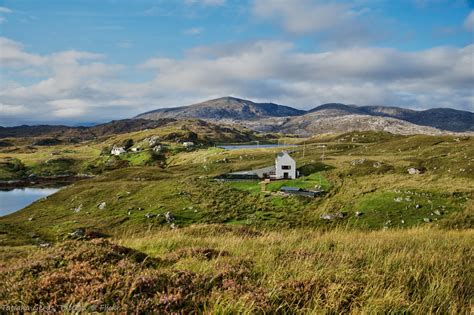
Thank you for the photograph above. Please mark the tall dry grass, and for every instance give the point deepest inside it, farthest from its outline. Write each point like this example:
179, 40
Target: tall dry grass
418, 270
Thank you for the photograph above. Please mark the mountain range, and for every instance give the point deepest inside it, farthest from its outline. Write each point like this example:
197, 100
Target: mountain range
326, 118
270, 117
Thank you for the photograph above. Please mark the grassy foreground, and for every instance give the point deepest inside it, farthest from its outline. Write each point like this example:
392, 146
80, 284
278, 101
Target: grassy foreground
227, 269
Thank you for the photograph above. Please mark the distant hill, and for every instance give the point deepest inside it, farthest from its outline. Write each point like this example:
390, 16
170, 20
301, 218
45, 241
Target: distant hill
224, 108
269, 117
440, 118
315, 123
331, 117
82, 133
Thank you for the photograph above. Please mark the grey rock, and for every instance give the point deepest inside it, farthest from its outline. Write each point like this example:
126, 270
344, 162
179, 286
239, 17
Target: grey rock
413, 171
377, 165
358, 213
150, 215
78, 233
427, 220
332, 216
169, 217
101, 205
78, 208
437, 212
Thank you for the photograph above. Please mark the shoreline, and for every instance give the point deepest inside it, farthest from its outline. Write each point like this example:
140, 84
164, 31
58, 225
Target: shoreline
42, 181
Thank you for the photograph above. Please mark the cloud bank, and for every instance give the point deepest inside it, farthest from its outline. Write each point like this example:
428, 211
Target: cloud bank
74, 86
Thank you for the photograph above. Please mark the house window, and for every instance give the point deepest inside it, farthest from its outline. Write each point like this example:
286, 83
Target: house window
286, 167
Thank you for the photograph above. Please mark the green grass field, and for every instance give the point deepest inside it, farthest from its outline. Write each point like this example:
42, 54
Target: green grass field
403, 245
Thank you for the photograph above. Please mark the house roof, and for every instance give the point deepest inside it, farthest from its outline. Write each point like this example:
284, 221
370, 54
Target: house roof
288, 188
259, 172
283, 154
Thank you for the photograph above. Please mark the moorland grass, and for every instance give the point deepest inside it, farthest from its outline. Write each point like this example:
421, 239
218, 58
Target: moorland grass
222, 269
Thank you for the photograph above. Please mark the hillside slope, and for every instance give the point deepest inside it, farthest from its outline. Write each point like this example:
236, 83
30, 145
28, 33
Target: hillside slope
319, 122
440, 118
224, 108
82, 133
278, 118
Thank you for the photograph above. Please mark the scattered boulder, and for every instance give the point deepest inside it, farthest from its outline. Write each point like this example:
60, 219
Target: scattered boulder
413, 171
398, 199
101, 205
31, 219
357, 162
150, 215
377, 164
358, 213
427, 220
78, 208
78, 233
332, 216
157, 149
417, 206
44, 245
437, 212
169, 217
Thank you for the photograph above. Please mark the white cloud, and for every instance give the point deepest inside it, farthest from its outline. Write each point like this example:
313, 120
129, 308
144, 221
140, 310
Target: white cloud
303, 16
270, 70
205, 2
12, 55
5, 10
11, 110
193, 31
333, 23
469, 22
67, 108
82, 86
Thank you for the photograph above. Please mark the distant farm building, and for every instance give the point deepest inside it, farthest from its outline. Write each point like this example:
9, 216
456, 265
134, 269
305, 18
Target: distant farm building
188, 144
117, 150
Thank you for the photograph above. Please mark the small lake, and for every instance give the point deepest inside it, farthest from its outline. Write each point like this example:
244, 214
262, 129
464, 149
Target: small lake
18, 198
253, 146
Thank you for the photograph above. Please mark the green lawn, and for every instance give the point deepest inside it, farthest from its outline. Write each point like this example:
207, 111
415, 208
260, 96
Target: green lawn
305, 182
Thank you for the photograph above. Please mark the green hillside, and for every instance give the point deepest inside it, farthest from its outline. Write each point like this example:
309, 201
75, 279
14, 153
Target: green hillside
378, 240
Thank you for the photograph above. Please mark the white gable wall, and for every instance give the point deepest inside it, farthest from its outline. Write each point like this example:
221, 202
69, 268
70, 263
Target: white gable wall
285, 164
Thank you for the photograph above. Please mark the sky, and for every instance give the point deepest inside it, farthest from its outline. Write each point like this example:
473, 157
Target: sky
89, 61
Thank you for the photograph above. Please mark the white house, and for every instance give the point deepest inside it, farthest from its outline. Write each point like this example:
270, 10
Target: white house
285, 166
117, 150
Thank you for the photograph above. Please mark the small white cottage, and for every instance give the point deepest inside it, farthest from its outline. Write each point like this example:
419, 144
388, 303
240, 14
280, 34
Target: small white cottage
117, 150
285, 166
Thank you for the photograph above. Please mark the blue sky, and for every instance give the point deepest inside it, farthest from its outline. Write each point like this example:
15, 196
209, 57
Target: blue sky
77, 61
